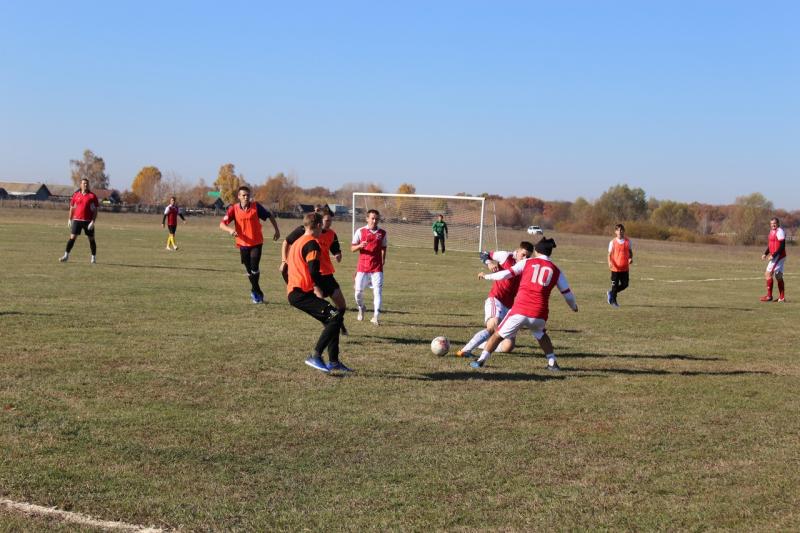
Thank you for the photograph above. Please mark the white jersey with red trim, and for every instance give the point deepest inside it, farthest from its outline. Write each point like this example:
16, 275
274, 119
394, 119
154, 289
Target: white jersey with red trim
504, 289
775, 237
538, 277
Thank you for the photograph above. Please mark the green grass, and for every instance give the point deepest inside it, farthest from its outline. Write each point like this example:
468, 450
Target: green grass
148, 389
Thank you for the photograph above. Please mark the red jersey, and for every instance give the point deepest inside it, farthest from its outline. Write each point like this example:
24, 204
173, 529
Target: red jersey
248, 225
172, 215
370, 258
538, 276
775, 237
620, 254
504, 289
84, 205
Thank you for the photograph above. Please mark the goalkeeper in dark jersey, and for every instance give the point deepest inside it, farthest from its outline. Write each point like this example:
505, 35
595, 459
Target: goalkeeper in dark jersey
439, 234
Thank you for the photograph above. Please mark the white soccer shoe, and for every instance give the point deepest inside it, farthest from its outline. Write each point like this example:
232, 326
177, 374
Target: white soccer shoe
64, 258
360, 316
93, 260
374, 321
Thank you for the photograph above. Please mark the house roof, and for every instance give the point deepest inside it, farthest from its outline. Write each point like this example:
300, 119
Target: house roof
21, 188
60, 190
105, 194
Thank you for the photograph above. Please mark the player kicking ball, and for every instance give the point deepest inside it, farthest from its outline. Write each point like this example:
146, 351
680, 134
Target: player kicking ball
539, 275
500, 299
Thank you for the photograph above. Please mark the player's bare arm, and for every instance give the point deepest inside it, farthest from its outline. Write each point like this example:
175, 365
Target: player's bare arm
224, 227
277, 234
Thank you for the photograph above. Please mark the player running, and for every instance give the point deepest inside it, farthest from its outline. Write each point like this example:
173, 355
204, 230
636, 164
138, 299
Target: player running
539, 275
304, 293
247, 217
370, 242
620, 257
776, 253
500, 299
83, 207
171, 214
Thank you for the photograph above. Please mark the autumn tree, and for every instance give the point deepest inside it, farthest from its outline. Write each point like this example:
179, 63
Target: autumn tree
228, 183
90, 167
145, 183
404, 205
675, 215
620, 203
749, 218
279, 190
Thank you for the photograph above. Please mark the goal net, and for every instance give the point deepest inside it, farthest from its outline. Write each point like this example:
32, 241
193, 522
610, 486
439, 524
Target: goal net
408, 218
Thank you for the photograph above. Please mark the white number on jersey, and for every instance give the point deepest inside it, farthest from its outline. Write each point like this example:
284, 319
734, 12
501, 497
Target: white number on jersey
542, 275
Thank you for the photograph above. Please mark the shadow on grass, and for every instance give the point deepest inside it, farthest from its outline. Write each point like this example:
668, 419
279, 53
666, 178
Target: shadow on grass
10, 313
368, 313
168, 267
469, 375
395, 340
653, 372
692, 307
675, 356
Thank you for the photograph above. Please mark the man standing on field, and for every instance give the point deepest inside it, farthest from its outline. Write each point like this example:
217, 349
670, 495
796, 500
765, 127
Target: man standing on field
171, 214
439, 234
620, 257
370, 243
247, 217
538, 276
83, 209
776, 253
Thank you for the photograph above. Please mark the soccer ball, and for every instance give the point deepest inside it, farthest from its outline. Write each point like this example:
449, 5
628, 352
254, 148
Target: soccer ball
440, 345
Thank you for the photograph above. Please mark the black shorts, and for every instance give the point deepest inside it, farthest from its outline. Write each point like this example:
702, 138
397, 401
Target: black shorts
172, 229
328, 285
309, 303
81, 225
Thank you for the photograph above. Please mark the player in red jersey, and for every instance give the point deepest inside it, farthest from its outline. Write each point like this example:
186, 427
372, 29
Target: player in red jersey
304, 293
370, 242
500, 299
776, 253
83, 209
620, 257
247, 217
171, 214
539, 275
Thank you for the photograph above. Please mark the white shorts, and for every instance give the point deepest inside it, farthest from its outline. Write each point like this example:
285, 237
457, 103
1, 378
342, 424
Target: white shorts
364, 279
512, 323
775, 268
494, 308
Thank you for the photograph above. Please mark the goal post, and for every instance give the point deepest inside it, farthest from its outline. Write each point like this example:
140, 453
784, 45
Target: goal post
408, 218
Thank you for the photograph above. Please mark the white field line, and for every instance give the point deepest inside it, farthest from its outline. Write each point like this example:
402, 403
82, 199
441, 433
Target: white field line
705, 280
74, 518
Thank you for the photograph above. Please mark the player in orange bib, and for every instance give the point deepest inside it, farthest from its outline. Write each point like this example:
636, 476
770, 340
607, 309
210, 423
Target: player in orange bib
620, 256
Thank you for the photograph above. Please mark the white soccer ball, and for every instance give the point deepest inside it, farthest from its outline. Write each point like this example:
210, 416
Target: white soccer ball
440, 345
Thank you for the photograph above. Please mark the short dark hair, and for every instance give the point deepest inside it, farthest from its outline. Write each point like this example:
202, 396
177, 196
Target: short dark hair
377, 214
545, 246
527, 246
242, 188
777, 221
312, 220
620, 226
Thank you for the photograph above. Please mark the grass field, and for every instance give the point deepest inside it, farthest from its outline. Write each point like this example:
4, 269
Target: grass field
148, 389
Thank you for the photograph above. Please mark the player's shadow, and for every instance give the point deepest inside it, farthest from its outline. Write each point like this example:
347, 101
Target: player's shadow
169, 267
10, 313
661, 306
669, 356
473, 375
654, 372
393, 340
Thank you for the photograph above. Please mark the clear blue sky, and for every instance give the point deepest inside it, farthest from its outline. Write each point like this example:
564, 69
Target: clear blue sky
688, 100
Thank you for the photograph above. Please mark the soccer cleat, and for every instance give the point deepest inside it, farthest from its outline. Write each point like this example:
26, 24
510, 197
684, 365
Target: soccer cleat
169, 249
462, 353
476, 364
255, 298
374, 321
766, 298
63, 258
338, 366
609, 299
93, 260
614, 304
344, 331
360, 316
554, 367
781, 299
317, 363
176, 248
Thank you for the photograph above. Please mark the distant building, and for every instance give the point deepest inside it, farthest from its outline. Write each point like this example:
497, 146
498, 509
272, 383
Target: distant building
25, 191
60, 192
108, 196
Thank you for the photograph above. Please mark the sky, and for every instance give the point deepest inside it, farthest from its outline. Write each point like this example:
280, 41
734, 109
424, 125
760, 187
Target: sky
691, 101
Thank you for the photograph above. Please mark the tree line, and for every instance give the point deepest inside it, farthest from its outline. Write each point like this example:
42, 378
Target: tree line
743, 222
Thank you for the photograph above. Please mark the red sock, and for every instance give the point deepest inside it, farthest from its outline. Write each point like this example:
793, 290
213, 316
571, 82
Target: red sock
780, 287
769, 287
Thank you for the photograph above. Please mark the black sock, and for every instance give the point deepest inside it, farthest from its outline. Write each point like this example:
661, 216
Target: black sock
93, 247
70, 244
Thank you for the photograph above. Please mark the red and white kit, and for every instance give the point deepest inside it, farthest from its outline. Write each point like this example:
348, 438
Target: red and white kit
775, 264
538, 277
370, 265
501, 295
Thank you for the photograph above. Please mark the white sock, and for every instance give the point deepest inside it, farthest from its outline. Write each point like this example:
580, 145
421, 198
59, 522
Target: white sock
477, 339
551, 359
484, 356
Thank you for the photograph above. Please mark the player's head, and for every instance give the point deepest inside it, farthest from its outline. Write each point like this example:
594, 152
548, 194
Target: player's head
441, 218
312, 222
373, 216
84, 184
619, 229
172, 200
774, 223
243, 194
327, 219
524, 251
544, 247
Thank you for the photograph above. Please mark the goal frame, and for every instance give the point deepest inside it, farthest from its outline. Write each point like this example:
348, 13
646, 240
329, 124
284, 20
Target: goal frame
480, 199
